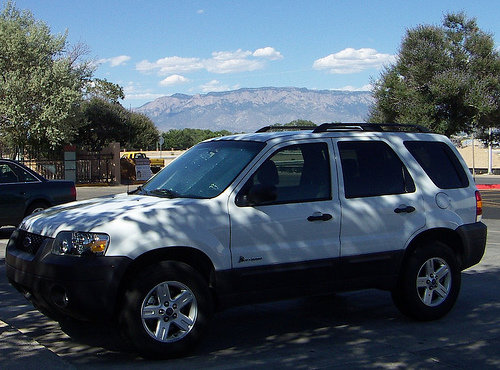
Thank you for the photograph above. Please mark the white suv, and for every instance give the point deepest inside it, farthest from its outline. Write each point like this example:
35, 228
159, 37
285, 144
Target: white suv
258, 217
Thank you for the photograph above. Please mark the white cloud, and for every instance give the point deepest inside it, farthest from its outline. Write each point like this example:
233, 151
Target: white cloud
352, 88
169, 65
268, 52
216, 86
115, 61
200, 11
134, 91
221, 62
174, 80
353, 61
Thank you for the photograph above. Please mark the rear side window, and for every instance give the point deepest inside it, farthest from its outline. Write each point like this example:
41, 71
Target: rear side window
440, 163
372, 168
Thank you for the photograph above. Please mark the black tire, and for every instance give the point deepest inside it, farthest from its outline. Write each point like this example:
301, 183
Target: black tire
429, 282
166, 310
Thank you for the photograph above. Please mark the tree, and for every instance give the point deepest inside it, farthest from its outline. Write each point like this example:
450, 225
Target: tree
40, 84
446, 78
143, 132
186, 138
103, 89
297, 123
104, 122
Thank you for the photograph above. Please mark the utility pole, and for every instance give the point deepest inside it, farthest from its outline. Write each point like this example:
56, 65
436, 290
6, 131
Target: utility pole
490, 154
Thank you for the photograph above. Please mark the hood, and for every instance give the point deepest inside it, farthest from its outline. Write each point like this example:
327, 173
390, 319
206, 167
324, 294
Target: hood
96, 214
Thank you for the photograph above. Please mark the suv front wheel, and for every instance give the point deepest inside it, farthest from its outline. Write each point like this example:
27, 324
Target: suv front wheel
429, 282
166, 309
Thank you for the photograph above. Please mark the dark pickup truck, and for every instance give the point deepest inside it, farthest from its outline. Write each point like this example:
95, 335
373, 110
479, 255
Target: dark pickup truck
23, 191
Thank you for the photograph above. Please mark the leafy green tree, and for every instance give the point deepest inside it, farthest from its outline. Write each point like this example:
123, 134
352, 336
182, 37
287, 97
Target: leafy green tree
186, 138
446, 78
297, 123
143, 132
40, 82
104, 122
300, 123
103, 89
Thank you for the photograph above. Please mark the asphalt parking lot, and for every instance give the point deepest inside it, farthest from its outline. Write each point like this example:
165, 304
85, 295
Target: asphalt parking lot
356, 329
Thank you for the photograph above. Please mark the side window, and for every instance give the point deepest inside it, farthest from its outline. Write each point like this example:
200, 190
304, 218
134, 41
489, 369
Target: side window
372, 168
440, 163
7, 175
23, 175
296, 173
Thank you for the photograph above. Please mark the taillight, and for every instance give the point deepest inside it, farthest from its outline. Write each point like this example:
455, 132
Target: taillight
73, 192
479, 206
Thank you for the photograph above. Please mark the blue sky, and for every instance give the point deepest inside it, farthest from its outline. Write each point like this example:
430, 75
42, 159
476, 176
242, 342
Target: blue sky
156, 48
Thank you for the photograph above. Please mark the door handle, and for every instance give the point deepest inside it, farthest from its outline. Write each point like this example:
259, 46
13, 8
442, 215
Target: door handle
320, 217
404, 209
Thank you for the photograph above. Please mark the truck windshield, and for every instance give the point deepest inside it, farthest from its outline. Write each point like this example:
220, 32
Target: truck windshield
204, 171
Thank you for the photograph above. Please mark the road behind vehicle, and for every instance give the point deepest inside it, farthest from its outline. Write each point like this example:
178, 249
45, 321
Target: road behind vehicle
23, 192
258, 217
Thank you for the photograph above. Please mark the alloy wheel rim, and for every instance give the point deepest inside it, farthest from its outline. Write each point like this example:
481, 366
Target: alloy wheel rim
433, 282
169, 311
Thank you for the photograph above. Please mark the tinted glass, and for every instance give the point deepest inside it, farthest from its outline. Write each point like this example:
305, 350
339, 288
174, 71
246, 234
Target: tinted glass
22, 174
7, 175
296, 173
440, 163
372, 168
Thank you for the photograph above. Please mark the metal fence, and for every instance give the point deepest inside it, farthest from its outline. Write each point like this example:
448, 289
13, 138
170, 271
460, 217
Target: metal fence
90, 168
94, 168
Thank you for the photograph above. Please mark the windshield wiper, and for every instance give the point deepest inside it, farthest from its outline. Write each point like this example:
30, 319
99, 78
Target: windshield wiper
167, 193
136, 190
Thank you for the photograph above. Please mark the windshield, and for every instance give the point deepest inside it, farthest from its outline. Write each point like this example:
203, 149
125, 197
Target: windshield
204, 171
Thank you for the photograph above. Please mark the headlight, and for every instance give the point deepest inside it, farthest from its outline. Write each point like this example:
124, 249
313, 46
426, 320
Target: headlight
80, 243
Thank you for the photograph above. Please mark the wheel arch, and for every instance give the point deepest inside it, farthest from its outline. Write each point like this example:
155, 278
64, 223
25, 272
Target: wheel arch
33, 202
188, 255
446, 236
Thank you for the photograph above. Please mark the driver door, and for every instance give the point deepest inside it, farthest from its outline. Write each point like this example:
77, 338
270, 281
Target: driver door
285, 219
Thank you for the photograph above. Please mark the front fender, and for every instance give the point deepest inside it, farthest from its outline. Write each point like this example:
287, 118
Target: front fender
200, 225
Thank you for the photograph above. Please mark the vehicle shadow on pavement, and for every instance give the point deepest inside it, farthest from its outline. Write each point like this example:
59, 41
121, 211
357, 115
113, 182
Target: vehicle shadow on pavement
356, 328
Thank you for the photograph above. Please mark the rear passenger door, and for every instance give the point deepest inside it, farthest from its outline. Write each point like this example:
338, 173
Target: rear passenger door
381, 206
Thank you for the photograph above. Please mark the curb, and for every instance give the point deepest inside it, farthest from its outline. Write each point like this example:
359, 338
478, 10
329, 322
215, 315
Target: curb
488, 186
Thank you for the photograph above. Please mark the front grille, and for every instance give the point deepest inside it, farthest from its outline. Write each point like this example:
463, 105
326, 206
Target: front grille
28, 242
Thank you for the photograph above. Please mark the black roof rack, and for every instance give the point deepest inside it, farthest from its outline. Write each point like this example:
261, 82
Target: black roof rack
329, 127
380, 127
285, 128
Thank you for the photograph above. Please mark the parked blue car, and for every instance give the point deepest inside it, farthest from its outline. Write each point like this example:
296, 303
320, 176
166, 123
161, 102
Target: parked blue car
23, 192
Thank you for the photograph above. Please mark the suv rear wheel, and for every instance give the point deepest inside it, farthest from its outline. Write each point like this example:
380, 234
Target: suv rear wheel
429, 283
167, 309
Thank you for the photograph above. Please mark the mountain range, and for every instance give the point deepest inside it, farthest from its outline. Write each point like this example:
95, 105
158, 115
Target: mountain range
248, 109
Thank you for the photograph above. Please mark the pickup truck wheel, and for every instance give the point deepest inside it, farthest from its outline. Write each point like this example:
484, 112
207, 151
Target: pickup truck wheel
167, 309
429, 283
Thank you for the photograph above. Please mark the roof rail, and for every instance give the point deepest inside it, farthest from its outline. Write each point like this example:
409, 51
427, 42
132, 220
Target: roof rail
285, 128
380, 127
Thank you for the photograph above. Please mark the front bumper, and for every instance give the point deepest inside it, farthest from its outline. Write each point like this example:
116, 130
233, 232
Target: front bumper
79, 287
